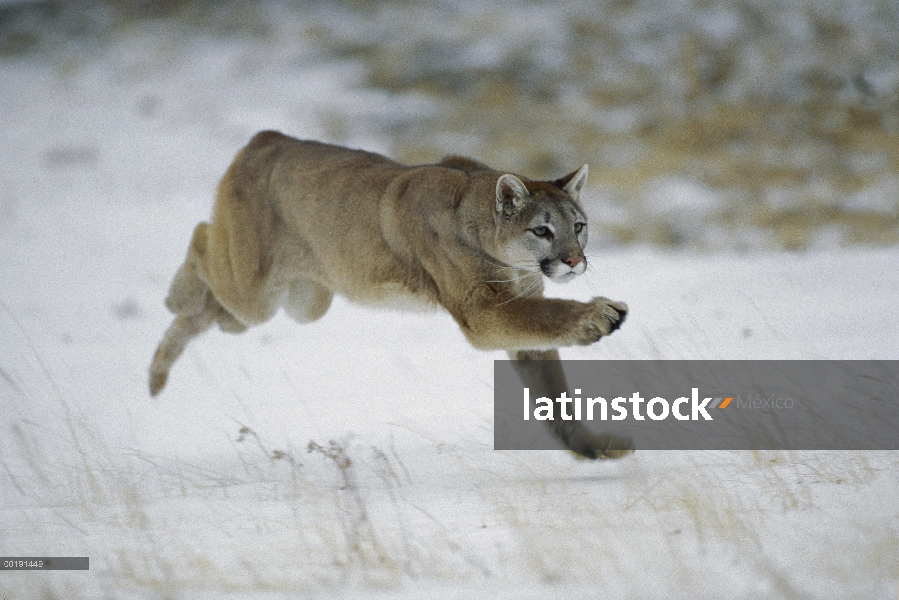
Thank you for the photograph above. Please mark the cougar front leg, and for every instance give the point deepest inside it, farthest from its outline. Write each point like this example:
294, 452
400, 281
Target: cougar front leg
539, 322
541, 371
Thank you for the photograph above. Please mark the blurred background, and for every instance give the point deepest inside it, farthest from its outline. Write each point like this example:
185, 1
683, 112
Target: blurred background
707, 124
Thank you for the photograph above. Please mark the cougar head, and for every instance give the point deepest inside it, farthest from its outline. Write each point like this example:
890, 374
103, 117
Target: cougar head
540, 225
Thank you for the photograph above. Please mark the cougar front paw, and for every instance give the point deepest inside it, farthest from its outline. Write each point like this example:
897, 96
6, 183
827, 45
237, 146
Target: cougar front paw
604, 317
603, 446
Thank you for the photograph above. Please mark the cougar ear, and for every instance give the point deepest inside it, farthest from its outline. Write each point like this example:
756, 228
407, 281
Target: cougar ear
573, 183
510, 194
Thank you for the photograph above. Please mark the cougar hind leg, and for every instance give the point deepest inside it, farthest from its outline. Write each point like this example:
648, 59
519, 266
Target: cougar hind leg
307, 300
187, 294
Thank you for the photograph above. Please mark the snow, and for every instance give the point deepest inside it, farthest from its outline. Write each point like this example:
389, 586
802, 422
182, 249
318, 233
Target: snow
164, 498
213, 489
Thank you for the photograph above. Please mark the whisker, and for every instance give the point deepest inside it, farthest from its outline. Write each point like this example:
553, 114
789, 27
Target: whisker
512, 266
490, 262
588, 274
589, 279
529, 268
529, 289
516, 279
534, 288
518, 267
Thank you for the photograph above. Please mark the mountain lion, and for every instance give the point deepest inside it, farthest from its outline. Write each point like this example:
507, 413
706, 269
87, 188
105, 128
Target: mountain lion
296, 222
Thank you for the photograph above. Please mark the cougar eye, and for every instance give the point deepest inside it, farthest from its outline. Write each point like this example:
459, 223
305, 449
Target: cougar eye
542, 231
579, 227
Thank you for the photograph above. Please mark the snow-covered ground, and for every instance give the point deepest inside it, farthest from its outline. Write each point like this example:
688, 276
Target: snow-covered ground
352, 457
403, 494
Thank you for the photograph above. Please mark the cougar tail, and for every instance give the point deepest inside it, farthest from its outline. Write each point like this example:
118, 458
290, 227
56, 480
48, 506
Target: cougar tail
179, 333
194, 306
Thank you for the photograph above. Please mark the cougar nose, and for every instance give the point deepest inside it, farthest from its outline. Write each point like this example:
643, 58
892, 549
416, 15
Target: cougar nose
572, 261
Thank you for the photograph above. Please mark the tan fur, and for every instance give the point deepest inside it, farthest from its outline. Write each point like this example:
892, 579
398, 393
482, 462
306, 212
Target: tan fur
296, 222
